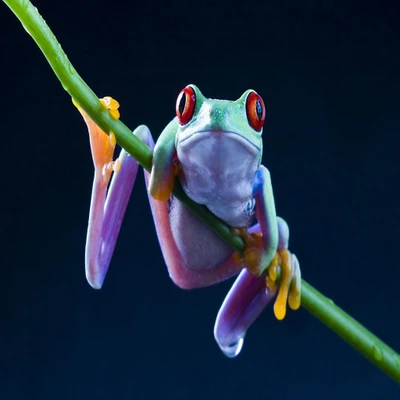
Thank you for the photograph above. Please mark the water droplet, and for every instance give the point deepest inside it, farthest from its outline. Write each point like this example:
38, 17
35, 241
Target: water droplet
331, 301
377, 353
233, 349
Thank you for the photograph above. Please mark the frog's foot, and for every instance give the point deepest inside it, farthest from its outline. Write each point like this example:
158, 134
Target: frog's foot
102, 145
284, 268
290, 281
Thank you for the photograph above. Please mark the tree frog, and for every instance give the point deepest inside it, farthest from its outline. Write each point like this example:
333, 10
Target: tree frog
214, 147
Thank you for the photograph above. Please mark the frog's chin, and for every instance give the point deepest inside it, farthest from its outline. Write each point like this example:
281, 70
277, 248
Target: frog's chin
216, 138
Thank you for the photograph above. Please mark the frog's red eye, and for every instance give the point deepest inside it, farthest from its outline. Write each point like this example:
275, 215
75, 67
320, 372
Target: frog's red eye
185, 104
255, 110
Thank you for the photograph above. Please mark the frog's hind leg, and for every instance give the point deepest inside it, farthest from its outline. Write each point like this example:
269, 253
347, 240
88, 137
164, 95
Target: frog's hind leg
249, 296
194, 254
243, 304
107, 207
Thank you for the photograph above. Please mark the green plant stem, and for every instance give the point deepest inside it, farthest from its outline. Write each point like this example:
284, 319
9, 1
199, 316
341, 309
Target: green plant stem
318, 305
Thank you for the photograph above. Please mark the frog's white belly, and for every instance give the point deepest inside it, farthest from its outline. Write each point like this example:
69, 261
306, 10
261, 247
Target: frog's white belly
218, 170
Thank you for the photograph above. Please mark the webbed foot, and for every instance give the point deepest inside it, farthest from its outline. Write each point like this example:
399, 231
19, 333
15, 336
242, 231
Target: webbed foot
290, 281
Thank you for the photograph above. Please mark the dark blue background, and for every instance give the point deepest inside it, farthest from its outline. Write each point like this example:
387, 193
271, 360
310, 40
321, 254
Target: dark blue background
329, 74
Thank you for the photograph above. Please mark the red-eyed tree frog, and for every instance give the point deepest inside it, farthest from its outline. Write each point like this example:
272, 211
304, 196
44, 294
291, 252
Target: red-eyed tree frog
214, 147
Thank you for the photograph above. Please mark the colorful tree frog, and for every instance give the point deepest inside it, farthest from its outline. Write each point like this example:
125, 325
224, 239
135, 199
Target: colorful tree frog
214, 147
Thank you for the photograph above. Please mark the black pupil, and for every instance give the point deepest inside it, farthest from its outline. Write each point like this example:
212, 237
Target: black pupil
182, 103
258, 109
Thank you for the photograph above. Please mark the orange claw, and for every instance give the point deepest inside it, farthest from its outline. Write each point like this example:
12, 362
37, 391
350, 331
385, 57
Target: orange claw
102, 145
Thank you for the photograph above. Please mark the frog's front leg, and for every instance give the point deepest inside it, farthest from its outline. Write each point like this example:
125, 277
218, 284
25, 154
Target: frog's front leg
267, 249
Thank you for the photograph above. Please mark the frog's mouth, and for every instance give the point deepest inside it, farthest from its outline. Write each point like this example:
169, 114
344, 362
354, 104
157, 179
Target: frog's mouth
218, 138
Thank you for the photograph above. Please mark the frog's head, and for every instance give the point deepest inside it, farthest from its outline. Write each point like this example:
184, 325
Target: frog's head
202, 118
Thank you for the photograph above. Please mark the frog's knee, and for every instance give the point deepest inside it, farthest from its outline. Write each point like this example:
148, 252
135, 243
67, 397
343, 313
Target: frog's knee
283, 234
144, 134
